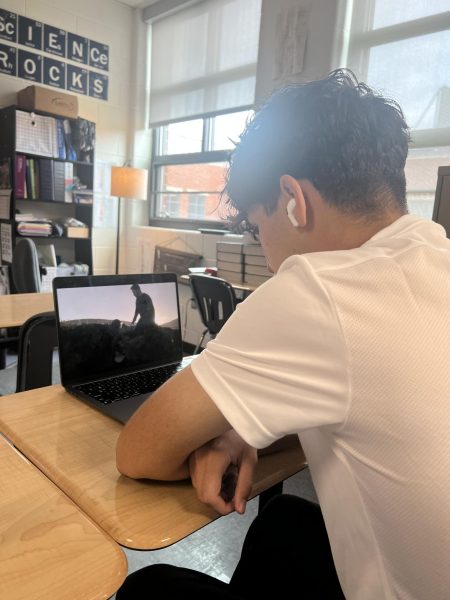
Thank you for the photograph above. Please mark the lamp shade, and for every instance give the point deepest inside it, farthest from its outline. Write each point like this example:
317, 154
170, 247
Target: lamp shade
129, 182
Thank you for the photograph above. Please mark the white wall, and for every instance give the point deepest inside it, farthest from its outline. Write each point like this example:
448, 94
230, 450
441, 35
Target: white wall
122, 133
112, 23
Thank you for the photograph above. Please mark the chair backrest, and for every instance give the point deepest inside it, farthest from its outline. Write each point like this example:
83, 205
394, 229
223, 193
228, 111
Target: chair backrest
37, 340
25, 267
215, 299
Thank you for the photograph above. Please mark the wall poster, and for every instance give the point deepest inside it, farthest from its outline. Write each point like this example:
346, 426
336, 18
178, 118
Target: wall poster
36, 39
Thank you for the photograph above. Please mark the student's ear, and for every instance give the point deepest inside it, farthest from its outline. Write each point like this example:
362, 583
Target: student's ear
294, 199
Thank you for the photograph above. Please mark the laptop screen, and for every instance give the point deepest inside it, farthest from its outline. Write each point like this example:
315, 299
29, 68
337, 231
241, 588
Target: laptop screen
108, 329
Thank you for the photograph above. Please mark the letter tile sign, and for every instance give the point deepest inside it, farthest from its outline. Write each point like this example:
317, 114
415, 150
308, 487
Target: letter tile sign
46, 54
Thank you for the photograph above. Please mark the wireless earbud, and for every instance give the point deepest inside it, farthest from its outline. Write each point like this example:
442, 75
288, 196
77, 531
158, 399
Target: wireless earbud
290, 212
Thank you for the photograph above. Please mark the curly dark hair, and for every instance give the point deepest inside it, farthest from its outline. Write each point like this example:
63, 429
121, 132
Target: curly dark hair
350, 142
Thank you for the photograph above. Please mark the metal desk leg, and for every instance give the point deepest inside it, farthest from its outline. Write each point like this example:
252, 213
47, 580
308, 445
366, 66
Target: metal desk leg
265, 496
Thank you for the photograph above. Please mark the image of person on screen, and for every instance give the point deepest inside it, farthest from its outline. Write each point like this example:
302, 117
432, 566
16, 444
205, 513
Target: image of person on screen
145, 311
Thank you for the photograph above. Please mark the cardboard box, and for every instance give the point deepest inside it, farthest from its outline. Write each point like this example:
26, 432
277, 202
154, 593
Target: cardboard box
77, 232
52, 101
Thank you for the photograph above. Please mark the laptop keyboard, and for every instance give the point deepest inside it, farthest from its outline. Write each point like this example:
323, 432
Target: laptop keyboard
121, 387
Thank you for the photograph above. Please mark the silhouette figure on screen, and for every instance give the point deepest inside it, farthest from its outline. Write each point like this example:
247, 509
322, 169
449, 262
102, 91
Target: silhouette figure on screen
144, 308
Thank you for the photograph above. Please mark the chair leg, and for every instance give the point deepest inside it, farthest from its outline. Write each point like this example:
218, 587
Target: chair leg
199, 345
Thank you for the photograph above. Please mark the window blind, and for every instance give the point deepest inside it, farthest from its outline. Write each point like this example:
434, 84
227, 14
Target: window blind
203, 59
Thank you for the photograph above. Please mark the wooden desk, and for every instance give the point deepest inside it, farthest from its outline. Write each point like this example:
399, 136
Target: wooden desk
15, 309
49, 548
74, 445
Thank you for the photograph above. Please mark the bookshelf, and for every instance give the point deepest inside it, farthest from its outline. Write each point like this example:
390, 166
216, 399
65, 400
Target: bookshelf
47, 162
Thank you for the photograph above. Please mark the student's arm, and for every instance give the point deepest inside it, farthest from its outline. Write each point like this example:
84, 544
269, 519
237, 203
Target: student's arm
176, 420
222, 471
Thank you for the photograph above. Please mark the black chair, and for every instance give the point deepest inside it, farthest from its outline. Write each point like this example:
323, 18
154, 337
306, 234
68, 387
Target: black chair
26, 278
215, 300
37, 341
26, 272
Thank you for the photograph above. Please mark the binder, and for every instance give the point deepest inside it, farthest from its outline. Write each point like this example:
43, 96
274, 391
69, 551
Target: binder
59, 173
70, 150
46, 179
20, 171
61, 140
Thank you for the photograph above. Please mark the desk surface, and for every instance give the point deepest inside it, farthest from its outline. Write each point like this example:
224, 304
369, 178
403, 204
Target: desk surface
49, 548
74, 445
15, 309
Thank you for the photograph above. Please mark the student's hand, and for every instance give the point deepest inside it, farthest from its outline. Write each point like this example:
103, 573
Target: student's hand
222, 472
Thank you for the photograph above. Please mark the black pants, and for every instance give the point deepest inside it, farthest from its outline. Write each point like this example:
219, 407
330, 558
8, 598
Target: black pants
286, 548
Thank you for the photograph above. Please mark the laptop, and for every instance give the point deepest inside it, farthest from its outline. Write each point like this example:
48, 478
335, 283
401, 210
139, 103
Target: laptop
119, 338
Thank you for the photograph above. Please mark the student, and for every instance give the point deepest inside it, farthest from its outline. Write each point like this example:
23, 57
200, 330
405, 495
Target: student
348, 346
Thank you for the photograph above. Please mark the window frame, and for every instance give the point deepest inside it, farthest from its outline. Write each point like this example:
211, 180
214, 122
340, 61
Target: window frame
362, 39
205, 156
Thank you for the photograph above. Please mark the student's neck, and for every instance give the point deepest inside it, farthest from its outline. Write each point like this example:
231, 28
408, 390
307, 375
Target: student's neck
343, 232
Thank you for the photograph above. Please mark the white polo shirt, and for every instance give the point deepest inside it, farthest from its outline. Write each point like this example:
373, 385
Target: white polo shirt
351, 350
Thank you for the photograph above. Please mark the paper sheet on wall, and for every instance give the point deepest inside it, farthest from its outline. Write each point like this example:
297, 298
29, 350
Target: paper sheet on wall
5, 200
6, 241
102, 181
105, 212
291, 35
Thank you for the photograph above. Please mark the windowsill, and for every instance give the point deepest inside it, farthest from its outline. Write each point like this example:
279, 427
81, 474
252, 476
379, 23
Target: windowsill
222, 232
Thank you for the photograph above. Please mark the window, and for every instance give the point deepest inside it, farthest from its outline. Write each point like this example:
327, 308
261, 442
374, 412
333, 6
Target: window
190, 159
204, 59
402, 49
196, 207
202, 87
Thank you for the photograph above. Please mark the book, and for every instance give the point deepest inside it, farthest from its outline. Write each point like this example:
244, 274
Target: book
28, 175
230, 257
251, 259
235, 247
255, 279
230, 276
68, 182
20, 169
35, 178
257, 270
253, 249
230, 266
46, 188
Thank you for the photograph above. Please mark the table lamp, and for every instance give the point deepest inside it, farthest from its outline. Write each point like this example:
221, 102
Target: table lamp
127, 182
